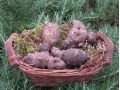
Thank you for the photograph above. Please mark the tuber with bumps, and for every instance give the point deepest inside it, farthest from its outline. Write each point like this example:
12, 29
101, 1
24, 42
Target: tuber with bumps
91, 38
56, 63
44, 60
71, 57
51, 35
77, 36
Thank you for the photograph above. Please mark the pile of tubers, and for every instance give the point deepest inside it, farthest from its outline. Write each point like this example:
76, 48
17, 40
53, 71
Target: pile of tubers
70, 54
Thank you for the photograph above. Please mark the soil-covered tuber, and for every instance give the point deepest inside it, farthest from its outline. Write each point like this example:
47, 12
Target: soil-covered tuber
72, 56
44, 60
56, 63
51, 35
91, 38
37, 59
77, 36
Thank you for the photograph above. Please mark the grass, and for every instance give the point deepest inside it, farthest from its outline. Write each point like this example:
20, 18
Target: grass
17, 15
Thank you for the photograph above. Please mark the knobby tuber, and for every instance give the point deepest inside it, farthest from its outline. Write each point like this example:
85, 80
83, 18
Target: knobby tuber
91, 38
56, 63
72, 56
51, 35
44, 60
77, 36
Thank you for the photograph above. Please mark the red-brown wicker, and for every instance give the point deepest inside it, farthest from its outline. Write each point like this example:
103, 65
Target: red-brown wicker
50, 77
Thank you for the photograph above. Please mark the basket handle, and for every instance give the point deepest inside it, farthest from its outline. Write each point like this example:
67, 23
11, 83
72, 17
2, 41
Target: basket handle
13, 59
109, 47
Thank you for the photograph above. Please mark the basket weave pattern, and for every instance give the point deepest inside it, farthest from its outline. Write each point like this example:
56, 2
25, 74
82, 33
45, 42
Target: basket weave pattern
50, 77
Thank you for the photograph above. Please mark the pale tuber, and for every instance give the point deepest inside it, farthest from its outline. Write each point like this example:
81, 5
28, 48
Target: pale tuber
77, 36
56, 63
51, 35
91, 38
72, 56
44, 60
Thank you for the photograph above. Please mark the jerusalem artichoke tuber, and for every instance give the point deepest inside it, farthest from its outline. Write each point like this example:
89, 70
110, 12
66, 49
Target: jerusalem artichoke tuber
51, 34
72, 56
91, 38
56, 63
77, 36
44, 60
37, 59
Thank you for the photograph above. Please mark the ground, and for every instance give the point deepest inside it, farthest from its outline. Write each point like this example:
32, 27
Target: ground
97, 15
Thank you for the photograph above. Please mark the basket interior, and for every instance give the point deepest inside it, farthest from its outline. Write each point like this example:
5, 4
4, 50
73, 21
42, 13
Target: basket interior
28, 41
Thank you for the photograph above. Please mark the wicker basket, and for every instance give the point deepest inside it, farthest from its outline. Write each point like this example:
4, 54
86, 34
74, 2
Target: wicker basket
50, 77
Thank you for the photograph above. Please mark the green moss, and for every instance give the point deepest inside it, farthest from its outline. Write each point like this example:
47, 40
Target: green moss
27, 41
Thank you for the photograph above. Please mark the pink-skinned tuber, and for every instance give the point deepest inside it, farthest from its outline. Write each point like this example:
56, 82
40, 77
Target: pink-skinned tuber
44, 60
71, 57
77, 36
91, 38
56, 63
51, 35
